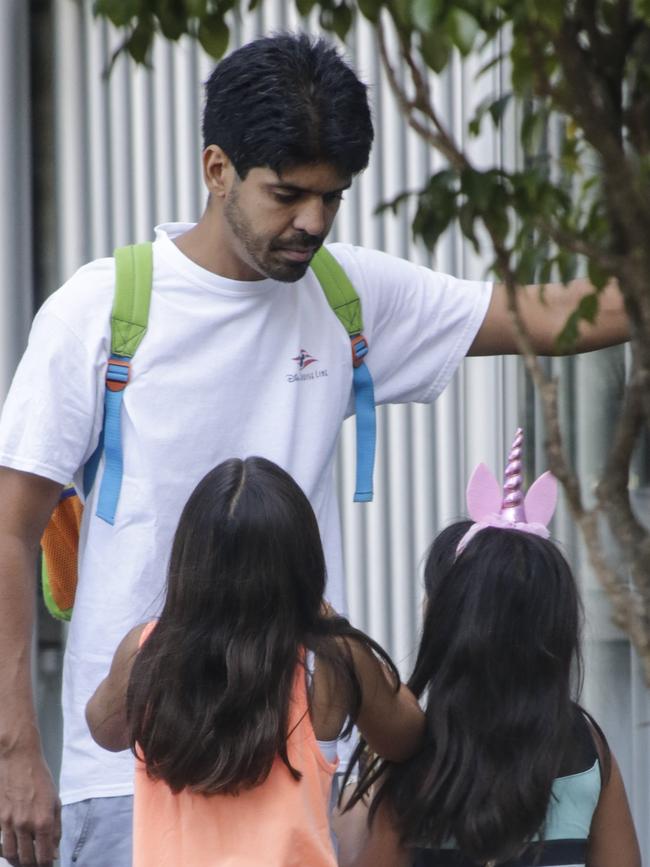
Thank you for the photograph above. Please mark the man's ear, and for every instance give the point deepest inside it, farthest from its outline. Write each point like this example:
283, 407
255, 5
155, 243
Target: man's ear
218, 171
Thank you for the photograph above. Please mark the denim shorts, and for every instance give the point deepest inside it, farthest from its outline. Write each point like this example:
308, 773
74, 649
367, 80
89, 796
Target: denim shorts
97, 833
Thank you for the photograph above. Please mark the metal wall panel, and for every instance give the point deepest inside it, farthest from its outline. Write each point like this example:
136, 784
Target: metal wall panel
15, 192
15, 189
128, 156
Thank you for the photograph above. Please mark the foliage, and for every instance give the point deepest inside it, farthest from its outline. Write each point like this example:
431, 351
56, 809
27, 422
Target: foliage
578, 67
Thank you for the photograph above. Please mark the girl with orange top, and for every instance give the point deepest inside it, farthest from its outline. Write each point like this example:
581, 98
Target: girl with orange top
233, 700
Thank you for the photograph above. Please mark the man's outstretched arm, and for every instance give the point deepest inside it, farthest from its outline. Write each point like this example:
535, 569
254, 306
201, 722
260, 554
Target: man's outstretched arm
29, 805
545, 316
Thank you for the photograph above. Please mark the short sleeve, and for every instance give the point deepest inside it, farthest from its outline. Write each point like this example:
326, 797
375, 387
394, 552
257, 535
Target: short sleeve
50, 417
419, 323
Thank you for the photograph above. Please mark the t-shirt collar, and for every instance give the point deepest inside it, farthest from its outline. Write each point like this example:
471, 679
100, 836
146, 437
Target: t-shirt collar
166, 232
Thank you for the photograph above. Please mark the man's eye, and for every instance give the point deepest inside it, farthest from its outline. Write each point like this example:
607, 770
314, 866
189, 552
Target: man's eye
285, 197
333, 197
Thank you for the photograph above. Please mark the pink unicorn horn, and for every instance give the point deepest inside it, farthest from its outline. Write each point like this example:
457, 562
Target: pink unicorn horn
529, 515
512, 505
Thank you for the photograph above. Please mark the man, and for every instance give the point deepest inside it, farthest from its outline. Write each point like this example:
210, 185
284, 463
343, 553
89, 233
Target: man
286, 128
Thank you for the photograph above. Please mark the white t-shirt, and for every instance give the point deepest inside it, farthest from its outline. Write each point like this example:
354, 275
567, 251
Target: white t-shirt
216, 376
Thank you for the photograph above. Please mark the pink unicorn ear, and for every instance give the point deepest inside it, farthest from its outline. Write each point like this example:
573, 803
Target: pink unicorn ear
483, 494
541, 499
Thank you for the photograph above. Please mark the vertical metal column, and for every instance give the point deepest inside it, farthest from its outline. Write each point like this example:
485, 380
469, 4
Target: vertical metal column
16, 295
15, 188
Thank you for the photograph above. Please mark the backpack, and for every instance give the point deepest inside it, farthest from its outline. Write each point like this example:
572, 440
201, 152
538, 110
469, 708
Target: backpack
129, 317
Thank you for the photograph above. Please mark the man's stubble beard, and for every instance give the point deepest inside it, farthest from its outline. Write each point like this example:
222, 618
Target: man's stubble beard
258, 250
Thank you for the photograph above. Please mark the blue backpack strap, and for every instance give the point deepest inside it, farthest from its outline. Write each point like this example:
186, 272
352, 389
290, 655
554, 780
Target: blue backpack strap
344, 301
133, 277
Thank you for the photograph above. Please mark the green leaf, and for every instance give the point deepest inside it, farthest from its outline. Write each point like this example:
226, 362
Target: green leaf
642, 9
551, 13
139, 42
522, 67
437, 207
566, 264
463, 29
214, 35
533, 130
401, 10
466, 220
370, 9
494, 61
119, 12
567, 338
196, 8
546, 271
424, 13
436, 49
496, 220
304, 7
172, 18
393, 204
488, 190
341, 21
598, 277
588, 308
496, 109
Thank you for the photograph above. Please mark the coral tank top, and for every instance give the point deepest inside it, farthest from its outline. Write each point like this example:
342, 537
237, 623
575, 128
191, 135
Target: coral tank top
281, 823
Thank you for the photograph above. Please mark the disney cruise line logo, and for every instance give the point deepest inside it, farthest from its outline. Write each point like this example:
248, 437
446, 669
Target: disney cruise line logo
303, 360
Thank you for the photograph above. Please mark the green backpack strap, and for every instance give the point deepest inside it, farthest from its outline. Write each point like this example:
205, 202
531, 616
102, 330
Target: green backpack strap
344, 301
133, 278
340, 293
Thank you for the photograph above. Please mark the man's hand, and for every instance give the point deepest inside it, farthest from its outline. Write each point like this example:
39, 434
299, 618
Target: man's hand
30, 810
545, 316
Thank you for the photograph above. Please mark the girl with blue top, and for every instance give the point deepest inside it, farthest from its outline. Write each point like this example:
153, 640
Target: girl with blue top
513, 771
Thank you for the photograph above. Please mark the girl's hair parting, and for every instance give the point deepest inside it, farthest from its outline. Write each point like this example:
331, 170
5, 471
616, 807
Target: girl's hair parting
499, 649
209, 693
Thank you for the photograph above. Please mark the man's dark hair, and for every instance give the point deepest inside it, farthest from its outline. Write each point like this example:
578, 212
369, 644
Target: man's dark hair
288, 100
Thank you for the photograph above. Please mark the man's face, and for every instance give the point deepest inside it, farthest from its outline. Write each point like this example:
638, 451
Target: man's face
279, 221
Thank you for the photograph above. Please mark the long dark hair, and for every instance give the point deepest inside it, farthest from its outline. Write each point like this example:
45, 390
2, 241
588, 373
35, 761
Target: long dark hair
499, 648
208, 699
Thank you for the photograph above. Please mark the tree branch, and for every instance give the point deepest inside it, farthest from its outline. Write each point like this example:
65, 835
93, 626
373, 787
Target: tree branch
440, 140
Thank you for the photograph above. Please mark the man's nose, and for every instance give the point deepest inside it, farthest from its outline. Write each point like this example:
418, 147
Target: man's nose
312, 217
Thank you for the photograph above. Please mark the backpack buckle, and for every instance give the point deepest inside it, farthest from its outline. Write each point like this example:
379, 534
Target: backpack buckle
359, 349
117, 374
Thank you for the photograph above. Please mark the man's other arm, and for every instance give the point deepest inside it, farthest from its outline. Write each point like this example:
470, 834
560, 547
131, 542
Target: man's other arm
29, 805
545, 316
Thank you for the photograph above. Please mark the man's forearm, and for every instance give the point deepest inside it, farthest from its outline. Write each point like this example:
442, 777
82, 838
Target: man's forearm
17, 598
544, 312
611, 325
29, 805
26, 502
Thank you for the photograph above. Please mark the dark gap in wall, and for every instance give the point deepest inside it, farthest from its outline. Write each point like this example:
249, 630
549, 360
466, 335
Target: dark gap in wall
50, 633
41, 35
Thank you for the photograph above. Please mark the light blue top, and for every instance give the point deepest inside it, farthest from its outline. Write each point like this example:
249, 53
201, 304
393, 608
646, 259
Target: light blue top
573, 801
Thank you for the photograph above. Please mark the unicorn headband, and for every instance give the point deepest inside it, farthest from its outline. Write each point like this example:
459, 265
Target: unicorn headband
489, 506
